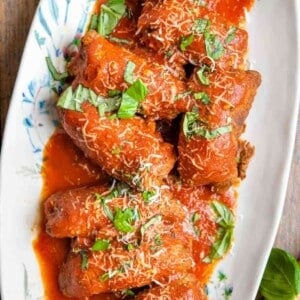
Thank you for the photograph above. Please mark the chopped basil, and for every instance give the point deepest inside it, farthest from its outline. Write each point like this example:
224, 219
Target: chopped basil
182, 95
168, 53
281, 279
131, 99
110, 15
213, 45
158, 240
148, 196
201, 25
101, 245
128, 292
113, 93
54, 73
202, 74
130, 247
123, 219
94, 22
231, 35
108, 275
128, 73
224, 239
152, 221
186, 41
116, 151
203, 97
192, 126
196, 217
73, 100
84, 260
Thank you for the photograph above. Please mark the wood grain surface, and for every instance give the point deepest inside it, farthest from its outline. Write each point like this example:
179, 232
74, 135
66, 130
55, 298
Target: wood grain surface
15, 19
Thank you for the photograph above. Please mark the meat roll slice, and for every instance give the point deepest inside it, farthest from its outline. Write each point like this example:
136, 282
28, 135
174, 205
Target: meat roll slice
103, 67
128, 149
164, 249
170, 26
185, 288
94, 211
232, 90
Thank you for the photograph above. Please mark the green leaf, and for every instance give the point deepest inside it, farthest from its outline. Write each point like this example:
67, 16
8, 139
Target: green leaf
201, 25
223, 243
158, 240
110, 15
123, 219
66, 100
131, 99
128, 73
281, 279
128, 292
203, 97
185, 41
213, 45
101, 245
231, 35
54, 73
152, 221
224, 214
148, 196
182, 95
202, 74
94, 22
196, 217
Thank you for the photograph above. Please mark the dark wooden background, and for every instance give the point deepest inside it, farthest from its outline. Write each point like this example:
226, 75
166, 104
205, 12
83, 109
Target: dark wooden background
15, 19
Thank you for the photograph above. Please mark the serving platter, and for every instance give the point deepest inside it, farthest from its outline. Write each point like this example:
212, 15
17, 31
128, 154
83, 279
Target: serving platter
271, 126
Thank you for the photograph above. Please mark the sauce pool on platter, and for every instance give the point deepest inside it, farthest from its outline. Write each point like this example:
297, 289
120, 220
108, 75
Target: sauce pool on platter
140, 179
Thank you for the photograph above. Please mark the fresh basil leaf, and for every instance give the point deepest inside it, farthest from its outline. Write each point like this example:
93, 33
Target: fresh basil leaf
128, 292
202, 74
224, 214
101, 245
196, 217
54, 73
203, 97
201, 25
231, 35
128, 73
148, 196
158, 240
223, 243
152, 221
110, 15
66, 100
94, 22
182, 95
213, 45
190, 118
131, 99
186, 41
281, 279
123, 220
113, 93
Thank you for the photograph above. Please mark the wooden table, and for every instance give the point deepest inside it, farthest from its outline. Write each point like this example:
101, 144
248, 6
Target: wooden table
15, 19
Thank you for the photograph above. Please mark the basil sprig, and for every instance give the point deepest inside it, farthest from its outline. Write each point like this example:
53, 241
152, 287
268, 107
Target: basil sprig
225, 220
281, 279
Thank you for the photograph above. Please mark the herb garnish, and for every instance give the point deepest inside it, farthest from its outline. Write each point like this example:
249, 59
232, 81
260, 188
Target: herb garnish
202, 74
54, 73
182, 95
281, 279
110, 15
186, 41
203, 97
213, 45
225, 220
131, 99
192, 126
201, 25
123, 219
148, 196
231, 35
128, 73
84, 260
101, 245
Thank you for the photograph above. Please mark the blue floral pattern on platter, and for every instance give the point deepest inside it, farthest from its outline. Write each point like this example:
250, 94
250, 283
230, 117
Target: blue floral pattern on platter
38, 99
